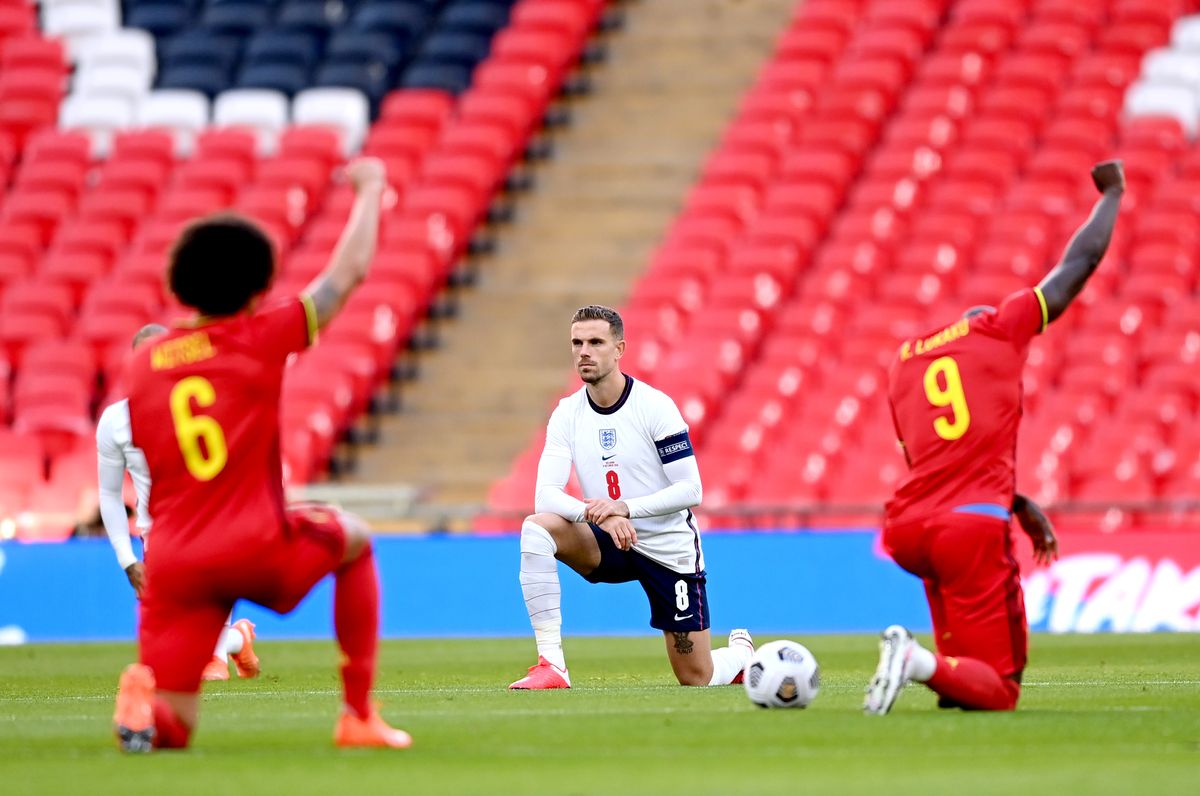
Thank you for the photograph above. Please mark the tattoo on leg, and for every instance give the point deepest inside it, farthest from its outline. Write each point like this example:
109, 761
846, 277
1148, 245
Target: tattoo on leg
683, 644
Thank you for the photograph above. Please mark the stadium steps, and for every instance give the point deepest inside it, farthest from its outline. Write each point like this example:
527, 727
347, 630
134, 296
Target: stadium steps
618, 178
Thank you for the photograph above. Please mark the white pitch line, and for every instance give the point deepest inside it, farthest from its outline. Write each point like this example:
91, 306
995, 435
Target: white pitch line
317, 692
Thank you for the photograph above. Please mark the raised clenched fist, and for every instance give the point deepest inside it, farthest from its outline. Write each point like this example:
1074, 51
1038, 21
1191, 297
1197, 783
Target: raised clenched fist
366, 173
1109, 176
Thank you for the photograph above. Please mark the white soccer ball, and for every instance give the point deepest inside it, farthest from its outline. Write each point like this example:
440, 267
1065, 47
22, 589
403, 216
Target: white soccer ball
782, 674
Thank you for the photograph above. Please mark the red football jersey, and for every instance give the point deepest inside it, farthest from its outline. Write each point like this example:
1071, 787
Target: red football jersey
955, 396
204, 407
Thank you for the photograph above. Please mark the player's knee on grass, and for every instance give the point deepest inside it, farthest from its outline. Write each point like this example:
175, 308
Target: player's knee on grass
694, 675
691, 662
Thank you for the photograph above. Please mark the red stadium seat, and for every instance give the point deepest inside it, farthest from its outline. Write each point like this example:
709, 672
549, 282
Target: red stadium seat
309, 142
984, 37
144, 145
1133, 36
145, 176
226, 142
798, 43
738, 203
476, 173
531, 83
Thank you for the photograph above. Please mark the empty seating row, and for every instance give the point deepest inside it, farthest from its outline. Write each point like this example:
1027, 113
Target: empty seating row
894, 164
84, 232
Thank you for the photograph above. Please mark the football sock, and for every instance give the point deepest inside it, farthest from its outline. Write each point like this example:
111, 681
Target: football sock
921, 665
356, 625
728, 662
973, 685
230, 643
543, 595
169, 730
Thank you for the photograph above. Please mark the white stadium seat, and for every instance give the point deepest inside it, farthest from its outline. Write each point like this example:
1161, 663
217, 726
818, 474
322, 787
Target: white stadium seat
264, 110
346, 109
129, 47
122, 81
1146, 98
78, 20
1172, 66
1185, 34
185, 113
101, 116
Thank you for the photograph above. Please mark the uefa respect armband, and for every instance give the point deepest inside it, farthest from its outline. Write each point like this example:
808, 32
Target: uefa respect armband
675, 447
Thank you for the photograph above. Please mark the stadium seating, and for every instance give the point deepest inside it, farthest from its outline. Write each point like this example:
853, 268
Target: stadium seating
119, 122
894, 164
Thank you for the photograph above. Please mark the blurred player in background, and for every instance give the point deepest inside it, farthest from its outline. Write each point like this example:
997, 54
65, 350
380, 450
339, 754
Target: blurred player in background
630, 448
955, 396
116, 454
204, 408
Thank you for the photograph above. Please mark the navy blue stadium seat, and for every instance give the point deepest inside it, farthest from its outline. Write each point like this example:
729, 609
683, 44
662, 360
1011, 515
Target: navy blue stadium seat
365, 47
160, 19
209, 79
454, 78
408, 19
315, 15
466, 49
474, 16
242, 16
200, 47
272, 46
287, 78
373, 82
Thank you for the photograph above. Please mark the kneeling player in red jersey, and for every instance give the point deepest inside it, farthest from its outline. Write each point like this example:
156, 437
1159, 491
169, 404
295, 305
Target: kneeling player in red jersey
956, 402
204, 408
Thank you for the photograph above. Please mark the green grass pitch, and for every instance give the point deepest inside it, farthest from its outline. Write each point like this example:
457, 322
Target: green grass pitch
1099, 714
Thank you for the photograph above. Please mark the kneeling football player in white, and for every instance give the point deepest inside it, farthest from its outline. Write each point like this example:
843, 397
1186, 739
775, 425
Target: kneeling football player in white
630, 448
116, 453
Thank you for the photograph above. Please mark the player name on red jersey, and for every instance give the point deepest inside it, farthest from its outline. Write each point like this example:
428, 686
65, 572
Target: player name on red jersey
948, 335
186, 350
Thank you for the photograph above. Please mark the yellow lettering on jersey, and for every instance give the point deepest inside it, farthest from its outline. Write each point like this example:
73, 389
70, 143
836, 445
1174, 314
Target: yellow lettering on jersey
956, 331
186, 350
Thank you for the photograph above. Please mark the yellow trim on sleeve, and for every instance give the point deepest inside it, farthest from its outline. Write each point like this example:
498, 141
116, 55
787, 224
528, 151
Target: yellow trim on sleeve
1037, 291
310, 316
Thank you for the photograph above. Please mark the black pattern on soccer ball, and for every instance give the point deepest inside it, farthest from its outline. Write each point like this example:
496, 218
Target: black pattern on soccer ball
755, 674
790, 654
788, 691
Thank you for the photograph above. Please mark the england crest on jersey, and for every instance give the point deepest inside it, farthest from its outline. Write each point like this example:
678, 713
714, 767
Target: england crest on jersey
608, 438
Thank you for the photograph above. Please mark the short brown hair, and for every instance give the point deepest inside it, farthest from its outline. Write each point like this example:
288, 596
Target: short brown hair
597, 312
219, 263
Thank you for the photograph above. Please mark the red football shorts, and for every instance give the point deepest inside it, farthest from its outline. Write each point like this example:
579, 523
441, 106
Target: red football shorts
972, 583
189, 593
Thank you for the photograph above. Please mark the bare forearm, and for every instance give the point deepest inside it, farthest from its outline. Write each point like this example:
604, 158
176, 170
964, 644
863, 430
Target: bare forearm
1083, 254
351, 257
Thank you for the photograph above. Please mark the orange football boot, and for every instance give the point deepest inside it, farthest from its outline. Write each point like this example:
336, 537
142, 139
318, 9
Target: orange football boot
216, 669
133, 719
245, 661
373, 732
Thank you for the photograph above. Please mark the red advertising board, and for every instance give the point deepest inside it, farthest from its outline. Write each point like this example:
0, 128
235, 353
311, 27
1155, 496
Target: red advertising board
1132, 581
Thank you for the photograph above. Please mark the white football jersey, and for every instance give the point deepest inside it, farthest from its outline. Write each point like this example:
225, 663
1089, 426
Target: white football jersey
619, 452
115, 448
